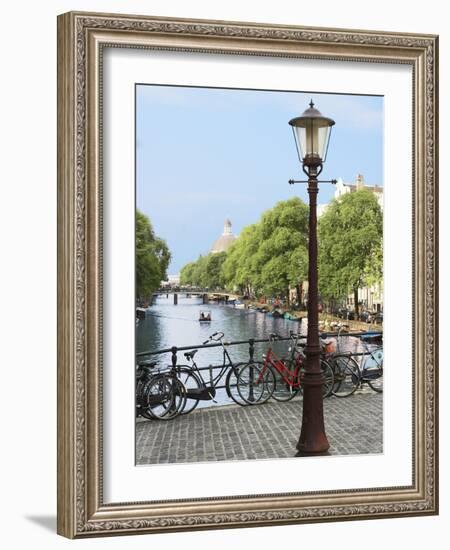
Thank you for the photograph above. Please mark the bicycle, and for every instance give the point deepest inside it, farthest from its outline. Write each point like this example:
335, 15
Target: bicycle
160, 395
345, 368
371, 367
144, 373
199, 390
288, 372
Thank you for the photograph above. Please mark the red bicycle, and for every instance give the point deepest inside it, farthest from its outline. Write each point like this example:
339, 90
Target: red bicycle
282, 377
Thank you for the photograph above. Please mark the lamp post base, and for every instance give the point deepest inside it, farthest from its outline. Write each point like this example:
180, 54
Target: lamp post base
302, 452
319, 447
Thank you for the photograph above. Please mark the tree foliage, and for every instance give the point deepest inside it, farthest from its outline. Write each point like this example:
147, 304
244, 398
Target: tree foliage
266, 258
152, 257
206, 272
271, 256
350, 245
282, 256
240, 269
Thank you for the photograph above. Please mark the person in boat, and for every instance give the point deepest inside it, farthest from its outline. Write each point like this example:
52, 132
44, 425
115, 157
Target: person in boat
208, 317
202, 316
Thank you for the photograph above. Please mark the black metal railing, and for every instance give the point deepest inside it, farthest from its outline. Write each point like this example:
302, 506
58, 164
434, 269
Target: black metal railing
251, 342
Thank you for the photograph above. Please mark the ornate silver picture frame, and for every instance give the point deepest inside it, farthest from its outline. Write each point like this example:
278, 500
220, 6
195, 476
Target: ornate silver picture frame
83, 510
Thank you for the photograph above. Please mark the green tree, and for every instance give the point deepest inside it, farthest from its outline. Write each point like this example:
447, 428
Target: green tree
239, 268
152, 257
213, 270
281, 259
268, 257
187, 274
350, 245
199, 272
205, 272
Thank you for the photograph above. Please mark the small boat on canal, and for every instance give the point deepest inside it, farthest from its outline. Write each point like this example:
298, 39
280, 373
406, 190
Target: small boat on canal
204, 317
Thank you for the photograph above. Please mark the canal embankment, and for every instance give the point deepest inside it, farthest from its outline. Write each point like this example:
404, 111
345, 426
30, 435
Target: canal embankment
327, 322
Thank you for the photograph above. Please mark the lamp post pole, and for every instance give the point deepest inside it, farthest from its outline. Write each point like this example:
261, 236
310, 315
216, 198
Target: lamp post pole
313, 439
312, 132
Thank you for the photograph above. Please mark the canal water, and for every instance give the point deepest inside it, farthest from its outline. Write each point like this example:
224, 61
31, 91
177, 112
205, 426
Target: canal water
168, 325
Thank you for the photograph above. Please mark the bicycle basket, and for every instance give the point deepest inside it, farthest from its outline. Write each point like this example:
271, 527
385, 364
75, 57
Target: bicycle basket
329, 346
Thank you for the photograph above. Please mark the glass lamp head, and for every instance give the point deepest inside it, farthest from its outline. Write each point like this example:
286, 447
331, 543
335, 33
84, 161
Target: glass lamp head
312, 134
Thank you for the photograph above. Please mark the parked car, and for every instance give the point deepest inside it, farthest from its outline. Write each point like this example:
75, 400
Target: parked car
378, 318
345, 313
366, 316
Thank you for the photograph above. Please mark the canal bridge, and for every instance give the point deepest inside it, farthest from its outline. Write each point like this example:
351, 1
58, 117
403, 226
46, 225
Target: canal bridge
205, 294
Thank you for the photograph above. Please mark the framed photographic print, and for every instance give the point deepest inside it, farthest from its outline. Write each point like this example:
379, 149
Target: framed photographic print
247, 283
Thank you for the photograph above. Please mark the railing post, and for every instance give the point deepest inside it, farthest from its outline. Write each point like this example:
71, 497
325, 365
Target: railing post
251, 349
174, 350
251, 352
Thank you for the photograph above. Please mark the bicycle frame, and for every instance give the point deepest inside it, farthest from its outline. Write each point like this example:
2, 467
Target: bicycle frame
375, 370
289, 376
214, 380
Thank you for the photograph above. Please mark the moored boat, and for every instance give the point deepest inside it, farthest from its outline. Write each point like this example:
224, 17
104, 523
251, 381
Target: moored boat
276, 313
141, 313
291, 317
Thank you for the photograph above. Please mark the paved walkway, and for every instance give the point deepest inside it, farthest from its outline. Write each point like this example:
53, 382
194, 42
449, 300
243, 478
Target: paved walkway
354, 425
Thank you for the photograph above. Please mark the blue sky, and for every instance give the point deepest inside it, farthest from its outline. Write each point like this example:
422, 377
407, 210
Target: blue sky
206, 154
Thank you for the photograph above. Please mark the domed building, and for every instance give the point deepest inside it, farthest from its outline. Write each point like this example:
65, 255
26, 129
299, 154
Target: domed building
225, 240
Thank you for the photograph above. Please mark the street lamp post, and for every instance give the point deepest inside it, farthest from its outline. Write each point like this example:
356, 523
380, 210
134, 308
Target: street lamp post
312, 133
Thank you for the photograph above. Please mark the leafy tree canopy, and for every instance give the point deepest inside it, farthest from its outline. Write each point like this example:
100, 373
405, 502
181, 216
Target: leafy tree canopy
350, 244
267, 257
152, 257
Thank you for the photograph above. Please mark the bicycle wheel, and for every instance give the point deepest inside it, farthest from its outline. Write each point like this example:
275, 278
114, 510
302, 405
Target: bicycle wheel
231, 384
372, 372
376, 384
164, 397
284, 389
138, 400
327, 388
191, 381
141, 397
255, 383
346, 376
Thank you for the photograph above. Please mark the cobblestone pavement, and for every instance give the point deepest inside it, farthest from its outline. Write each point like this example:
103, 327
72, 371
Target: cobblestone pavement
354, 425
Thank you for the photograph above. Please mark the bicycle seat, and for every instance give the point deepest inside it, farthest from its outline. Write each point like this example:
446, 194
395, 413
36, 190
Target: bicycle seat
190, 354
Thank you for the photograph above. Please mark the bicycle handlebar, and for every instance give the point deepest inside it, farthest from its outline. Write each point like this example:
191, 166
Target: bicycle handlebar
215, 336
